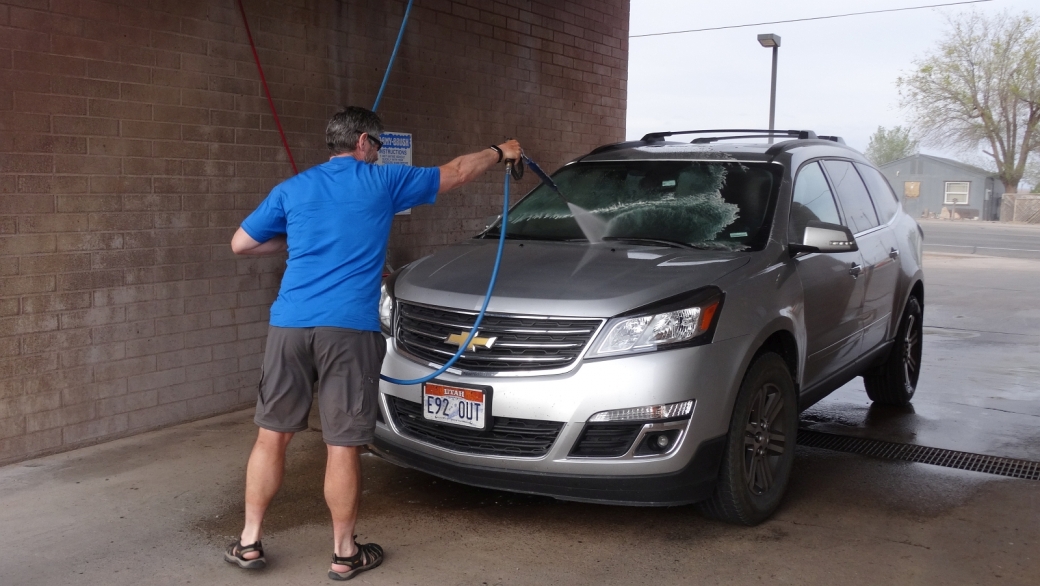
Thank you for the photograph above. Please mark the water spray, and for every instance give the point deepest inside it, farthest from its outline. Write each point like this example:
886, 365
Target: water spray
593, 227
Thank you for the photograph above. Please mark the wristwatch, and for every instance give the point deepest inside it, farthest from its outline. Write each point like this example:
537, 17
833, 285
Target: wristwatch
497, 150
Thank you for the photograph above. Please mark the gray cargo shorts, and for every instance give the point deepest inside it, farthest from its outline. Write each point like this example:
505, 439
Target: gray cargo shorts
345, 364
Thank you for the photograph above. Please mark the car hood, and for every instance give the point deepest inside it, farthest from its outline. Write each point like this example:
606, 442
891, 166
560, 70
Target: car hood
560, 278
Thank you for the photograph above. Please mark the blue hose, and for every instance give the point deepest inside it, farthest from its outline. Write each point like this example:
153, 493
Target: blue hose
390, 66
483, 308
501, 237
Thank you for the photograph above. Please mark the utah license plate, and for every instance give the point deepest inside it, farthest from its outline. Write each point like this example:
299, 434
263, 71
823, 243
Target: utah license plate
456, 405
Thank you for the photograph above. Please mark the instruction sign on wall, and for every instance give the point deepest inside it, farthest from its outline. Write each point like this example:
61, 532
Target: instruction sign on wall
397, 150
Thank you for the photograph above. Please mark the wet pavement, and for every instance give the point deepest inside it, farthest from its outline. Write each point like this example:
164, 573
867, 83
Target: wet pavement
979, 389
158, 508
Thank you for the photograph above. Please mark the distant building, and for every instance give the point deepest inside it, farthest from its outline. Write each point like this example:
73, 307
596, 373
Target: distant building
927, 184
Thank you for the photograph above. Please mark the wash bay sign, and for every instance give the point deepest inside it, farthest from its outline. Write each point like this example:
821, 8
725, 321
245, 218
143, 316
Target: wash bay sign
397, 150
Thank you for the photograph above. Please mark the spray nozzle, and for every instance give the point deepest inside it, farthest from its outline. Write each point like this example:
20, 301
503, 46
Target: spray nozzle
516, 169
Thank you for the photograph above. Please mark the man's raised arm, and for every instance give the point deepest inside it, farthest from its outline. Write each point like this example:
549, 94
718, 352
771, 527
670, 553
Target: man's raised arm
462, 170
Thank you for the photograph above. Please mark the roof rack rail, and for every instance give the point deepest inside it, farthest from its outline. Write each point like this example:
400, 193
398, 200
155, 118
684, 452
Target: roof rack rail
711, 139
836, 139
800, 134
613, 147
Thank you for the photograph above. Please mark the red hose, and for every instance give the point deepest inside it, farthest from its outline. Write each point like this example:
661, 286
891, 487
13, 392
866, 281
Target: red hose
263, 80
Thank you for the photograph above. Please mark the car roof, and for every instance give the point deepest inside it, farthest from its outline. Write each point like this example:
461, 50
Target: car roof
654, 146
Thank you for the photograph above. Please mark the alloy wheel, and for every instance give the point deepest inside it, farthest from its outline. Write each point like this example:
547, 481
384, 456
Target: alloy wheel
764, 438
911, 352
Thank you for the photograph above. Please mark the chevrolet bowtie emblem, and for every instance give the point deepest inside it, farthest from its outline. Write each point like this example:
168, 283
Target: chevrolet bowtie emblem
476, 342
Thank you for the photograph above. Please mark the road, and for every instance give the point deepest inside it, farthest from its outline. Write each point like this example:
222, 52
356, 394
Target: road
985, 238
159, 507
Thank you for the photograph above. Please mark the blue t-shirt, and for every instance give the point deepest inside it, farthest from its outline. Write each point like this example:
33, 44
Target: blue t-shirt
337, 219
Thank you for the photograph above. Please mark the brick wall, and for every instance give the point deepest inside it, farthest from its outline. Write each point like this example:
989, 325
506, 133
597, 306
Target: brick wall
134, 137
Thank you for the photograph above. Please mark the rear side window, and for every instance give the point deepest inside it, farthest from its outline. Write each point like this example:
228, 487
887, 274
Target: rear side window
812, 200
885, 202
855, 202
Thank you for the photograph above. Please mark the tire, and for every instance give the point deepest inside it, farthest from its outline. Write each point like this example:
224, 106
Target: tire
759, 453
894, 381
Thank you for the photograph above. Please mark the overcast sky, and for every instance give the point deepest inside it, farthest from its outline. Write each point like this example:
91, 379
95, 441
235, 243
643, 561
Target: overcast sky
835, 76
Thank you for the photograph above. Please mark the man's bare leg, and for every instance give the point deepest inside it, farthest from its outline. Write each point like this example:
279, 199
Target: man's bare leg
263, 478
343, 495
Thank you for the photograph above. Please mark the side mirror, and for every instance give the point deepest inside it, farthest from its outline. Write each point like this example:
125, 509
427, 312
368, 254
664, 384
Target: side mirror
824, 237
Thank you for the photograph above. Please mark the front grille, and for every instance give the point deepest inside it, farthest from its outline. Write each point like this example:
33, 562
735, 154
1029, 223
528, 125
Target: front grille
521, 343
605, 440
508, 436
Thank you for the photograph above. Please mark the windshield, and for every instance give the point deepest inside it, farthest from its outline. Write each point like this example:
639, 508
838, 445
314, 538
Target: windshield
713, 205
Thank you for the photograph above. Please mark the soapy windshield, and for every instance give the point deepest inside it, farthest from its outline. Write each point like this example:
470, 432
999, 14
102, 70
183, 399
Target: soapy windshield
712, 205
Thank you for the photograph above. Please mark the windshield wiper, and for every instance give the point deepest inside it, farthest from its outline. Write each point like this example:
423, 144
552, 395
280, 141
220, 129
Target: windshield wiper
662, 241
494, 235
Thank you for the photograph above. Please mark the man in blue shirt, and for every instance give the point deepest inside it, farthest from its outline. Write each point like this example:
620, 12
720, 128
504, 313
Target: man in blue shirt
334, 220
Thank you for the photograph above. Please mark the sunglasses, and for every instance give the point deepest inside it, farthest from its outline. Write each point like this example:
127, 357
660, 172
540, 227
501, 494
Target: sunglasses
375, 141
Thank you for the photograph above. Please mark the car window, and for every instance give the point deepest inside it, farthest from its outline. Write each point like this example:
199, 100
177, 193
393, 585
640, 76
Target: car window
855, 202
812, 200
885, 202
713, 205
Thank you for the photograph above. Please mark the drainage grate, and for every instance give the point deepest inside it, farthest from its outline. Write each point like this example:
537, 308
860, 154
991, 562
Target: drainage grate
922, 454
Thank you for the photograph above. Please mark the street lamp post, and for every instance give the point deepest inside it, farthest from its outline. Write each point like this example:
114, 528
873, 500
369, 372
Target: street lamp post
773, 41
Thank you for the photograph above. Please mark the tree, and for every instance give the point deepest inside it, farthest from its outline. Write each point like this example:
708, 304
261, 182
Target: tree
1032, 173
981, 87
886, 146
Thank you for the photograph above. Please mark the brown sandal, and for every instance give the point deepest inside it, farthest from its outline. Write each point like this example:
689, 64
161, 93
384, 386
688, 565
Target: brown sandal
368, 556
235, 555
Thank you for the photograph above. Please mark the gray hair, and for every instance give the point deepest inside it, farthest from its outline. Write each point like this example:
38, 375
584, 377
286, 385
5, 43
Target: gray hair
346, 127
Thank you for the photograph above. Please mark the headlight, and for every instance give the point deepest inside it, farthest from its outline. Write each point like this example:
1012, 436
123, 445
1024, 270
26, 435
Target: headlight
641, 333
386, 310
648, 413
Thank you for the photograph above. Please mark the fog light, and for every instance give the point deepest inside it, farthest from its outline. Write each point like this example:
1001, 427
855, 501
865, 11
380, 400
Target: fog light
658, 442
648, 413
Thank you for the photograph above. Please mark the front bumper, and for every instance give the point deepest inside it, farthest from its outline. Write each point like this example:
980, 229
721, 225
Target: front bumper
707, 374
694, 482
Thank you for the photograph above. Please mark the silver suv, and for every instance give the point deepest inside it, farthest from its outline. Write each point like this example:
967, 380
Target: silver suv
654, 342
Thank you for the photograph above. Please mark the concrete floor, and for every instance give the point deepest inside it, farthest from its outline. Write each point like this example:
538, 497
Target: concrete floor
158, 508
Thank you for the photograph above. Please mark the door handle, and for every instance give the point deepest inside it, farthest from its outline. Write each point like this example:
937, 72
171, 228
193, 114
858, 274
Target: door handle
855, 270
894, 253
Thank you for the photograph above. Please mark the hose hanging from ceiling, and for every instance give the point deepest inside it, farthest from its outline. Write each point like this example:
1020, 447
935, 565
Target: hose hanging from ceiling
393, 56
267, 91
375, 106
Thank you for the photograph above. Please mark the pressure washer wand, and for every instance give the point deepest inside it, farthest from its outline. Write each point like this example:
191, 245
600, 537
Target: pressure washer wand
543, 176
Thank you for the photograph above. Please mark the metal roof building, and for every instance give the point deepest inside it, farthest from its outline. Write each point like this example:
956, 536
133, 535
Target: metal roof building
927, 184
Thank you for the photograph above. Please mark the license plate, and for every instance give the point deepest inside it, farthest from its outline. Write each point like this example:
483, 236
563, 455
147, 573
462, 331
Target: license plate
456, 405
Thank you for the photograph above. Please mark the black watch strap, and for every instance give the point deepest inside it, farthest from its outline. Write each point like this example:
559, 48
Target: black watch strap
497, 150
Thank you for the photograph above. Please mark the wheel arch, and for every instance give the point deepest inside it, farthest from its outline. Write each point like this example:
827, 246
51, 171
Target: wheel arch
917, 291
780, 336
783, 343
